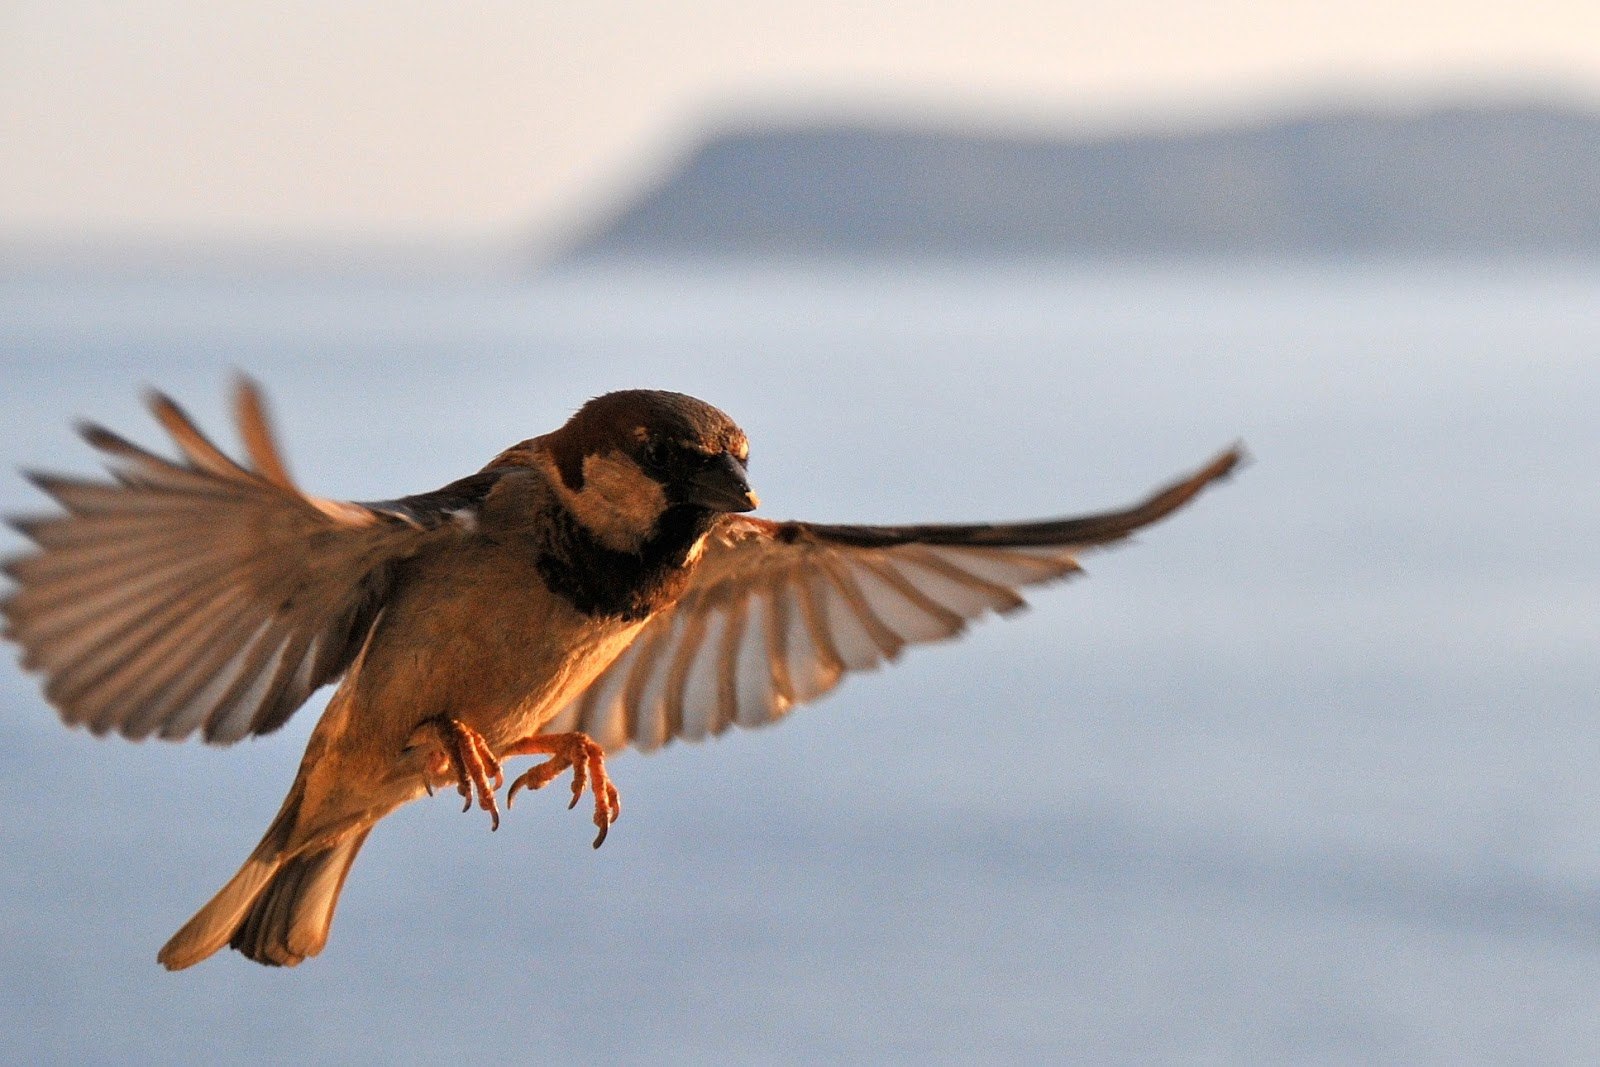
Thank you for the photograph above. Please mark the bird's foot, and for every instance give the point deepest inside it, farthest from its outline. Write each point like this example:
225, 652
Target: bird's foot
588, 764
464, 754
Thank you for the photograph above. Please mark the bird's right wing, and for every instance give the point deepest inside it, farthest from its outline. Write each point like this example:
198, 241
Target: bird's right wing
203, 595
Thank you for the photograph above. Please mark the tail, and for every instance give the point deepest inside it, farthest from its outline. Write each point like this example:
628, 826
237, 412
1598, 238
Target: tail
277, 910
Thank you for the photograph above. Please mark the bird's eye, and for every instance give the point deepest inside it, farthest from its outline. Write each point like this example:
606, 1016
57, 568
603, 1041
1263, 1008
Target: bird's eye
657, 454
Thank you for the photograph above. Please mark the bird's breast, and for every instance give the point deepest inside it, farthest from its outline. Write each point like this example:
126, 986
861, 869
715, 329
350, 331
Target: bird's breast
481, 637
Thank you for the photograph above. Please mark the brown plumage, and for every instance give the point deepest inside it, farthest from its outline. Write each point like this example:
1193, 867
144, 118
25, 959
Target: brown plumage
588, 590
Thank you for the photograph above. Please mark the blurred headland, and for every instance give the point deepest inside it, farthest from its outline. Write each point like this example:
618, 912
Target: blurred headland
1480, 177
1469, 179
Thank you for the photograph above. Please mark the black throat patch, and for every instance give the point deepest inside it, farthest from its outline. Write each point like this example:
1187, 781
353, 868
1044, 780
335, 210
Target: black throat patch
600, 581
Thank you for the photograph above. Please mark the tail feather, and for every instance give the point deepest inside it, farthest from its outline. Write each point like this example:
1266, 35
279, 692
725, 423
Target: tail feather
215, 923
277, 910
290, 919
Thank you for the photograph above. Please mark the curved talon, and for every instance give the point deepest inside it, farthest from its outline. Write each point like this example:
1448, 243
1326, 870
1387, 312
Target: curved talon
587, 760
580, 777
469, 757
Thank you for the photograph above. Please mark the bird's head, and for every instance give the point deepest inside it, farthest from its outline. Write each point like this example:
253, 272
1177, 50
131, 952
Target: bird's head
627, 458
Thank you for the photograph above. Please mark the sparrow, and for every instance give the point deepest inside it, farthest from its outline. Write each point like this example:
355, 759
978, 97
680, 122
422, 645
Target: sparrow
595, 588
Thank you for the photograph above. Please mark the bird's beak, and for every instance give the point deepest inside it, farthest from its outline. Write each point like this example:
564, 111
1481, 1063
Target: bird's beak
722, 486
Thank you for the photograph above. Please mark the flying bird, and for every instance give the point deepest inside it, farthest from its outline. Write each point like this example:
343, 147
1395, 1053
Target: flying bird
598, 587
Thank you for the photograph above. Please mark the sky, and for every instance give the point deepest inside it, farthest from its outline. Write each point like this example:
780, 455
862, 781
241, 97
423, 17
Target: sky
443, 121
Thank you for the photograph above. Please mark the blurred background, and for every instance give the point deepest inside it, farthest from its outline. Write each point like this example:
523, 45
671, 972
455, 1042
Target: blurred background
1304, 775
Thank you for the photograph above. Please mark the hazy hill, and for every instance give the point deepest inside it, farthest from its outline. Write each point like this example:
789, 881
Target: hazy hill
1509, 179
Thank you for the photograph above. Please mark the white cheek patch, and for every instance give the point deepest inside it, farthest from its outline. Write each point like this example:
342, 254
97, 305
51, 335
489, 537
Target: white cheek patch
619, 503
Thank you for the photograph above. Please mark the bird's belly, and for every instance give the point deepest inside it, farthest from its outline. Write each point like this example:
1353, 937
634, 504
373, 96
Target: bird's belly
494, 649
555, 673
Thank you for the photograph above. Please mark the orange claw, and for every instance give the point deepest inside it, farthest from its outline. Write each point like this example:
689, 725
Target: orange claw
588, 764
470, 759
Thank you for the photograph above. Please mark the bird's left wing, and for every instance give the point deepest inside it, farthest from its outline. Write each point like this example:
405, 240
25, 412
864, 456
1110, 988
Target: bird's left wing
203, 594
778, 612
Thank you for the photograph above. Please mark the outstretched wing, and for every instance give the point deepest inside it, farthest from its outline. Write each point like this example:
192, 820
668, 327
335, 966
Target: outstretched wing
203, 594
778, 612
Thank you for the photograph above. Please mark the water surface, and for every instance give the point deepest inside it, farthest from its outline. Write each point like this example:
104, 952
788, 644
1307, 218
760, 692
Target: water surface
1306, 774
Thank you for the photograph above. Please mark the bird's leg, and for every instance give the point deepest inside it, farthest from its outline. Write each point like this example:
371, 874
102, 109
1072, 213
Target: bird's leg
468, 757
588, 764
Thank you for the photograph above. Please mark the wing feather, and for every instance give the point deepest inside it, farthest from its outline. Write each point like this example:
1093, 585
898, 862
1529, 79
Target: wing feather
203, 594
778, 613
776, 618
194, 650
699, 713
199, 450
258, 440
735, 616
858, 609
826, 663
917, 616
687, 653
639, 707
149, 680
